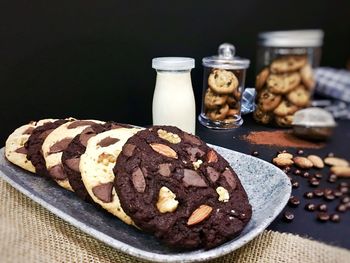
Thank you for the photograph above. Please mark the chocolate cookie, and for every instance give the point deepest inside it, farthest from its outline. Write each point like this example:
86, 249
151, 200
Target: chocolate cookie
35, 142
56, 142
175, 186
71, 155
96, 168
15, 151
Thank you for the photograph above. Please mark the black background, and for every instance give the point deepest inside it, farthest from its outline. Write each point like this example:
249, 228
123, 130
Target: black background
92, 59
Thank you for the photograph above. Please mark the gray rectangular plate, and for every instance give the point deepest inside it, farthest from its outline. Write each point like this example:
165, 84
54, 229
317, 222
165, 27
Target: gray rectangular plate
268, 189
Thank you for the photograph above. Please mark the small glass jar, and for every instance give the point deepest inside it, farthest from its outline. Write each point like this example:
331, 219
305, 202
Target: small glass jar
285, 81
223, 85
173, 98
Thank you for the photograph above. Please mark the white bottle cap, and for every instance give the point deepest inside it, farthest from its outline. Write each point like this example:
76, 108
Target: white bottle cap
173, 63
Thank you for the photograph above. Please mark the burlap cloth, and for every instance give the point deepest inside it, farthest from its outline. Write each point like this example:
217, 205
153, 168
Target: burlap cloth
30, 233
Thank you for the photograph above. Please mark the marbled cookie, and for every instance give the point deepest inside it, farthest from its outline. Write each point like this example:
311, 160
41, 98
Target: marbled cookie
35, 142
71, 155
96, 166
56, 142
175, 186
15, 151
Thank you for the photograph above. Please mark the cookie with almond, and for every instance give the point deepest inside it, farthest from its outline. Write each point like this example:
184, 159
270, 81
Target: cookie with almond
175, 186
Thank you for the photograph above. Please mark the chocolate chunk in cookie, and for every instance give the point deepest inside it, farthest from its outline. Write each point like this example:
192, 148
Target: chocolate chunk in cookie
180, 200
35, 142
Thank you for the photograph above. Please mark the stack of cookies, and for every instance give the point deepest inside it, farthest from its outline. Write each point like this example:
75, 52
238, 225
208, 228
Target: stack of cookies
284, 87
161, 180
223, 95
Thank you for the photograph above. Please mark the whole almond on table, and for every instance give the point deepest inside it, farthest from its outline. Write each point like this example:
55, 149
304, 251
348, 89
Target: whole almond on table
280, 161
335, 161
200, 214
316, 161
341, 171
302, 162
285, 155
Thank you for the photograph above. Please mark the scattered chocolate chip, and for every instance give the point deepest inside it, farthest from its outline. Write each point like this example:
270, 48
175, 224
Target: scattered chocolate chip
329, 197
295, 184
288, 216
309, 195
255, 153
306, 175
327, 191
73, 164
344, 189
288, 168
108, 141
318, 176
213, 174
322, 207
318, 192
335, 218
164, 169
283, 151
104, 192
29, 130
75, 124
314, 182
21, 150
138, 180
293, 201
297, 172
128, 149
344, 184
57, 172
323, 217
192, 178
60, 145
341, 208
330, 154
230, 179
300, 152
337, 193
345, 199
310, 207
332, 178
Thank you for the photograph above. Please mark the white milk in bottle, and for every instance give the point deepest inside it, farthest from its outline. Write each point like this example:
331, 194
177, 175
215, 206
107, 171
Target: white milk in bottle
173, 99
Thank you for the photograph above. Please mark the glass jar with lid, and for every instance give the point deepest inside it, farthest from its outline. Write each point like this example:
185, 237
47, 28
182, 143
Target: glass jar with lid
285, 81
223, 85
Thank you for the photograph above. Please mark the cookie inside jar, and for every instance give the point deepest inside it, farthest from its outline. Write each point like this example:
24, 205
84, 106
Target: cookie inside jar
223, 85
285, 81
283, 87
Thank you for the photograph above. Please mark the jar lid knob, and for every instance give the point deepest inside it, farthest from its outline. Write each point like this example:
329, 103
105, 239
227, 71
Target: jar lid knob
227, 51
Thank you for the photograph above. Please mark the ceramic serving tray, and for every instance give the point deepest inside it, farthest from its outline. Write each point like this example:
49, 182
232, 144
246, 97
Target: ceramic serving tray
268, 189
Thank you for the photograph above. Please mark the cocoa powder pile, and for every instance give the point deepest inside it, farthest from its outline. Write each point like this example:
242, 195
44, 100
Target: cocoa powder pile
280, 138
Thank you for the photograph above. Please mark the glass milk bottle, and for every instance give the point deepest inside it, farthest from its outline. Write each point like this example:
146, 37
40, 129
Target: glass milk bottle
173, 99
